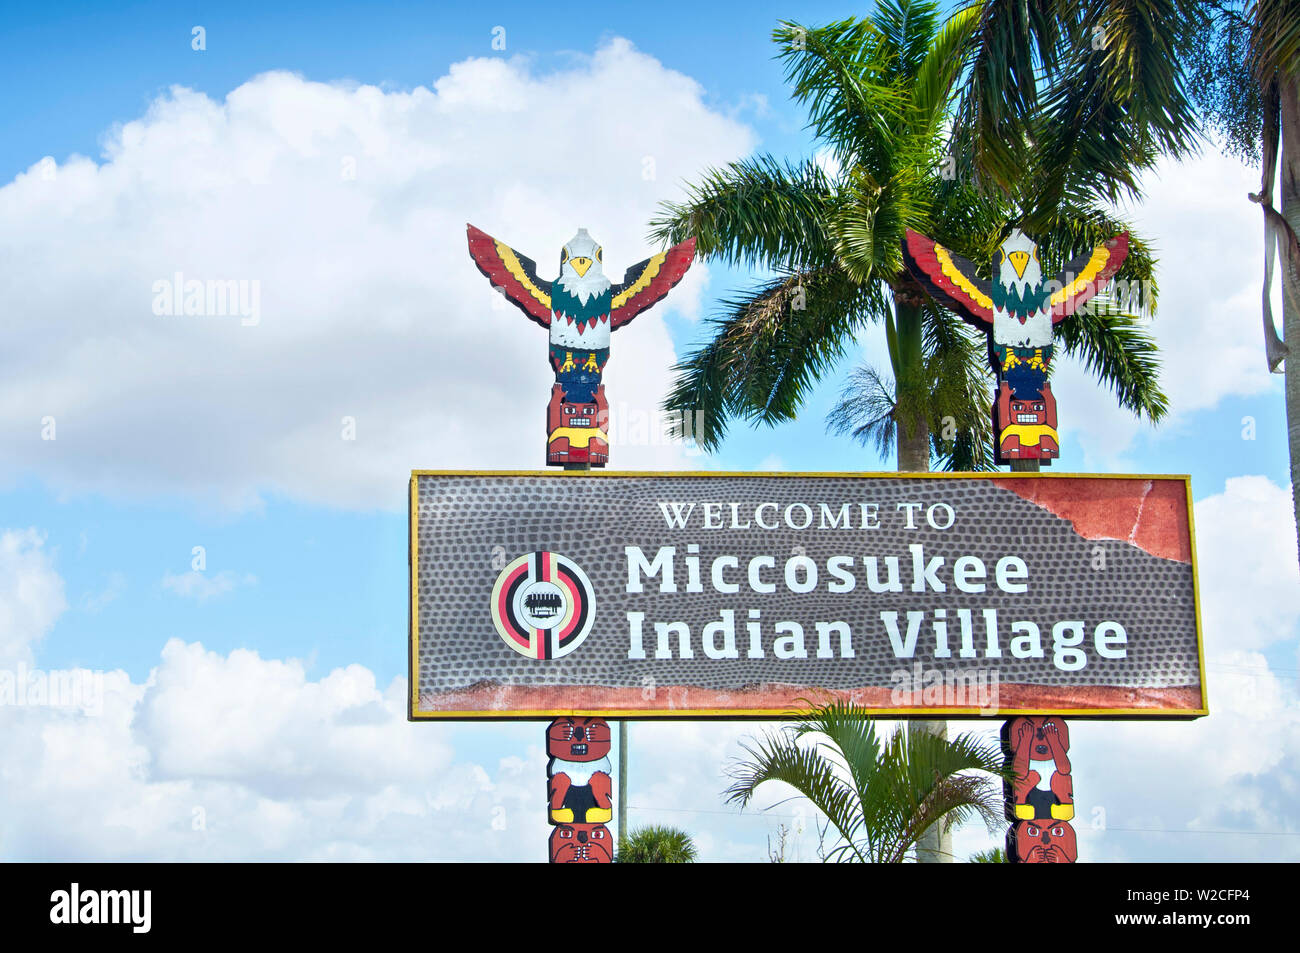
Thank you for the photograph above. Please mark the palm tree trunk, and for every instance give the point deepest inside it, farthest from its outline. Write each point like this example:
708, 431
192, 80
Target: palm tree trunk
1289, 90
913, 437
914, 451
910, 388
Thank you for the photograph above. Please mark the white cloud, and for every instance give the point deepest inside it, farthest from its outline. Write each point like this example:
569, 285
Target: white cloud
1250, 580
370, 306
203, 586
31, 594
1208, 242
232, 757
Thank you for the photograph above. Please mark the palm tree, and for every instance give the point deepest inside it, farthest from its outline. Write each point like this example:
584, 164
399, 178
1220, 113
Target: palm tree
1247, 83
656, 845
881, 94
993, 855
879, 798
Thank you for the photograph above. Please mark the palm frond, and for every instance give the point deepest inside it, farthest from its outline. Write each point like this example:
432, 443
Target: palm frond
854, 743
1118, 101
1117, 349
954, 400
1220, 76
1015, 43
841, 73
869, 227
907, 29
780, 757
925, 782
937, 73
1276, 29
768, 349
866, 410
879, 798
755, 212
961, 429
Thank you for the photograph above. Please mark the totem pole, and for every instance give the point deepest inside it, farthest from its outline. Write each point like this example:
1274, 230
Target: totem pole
1018, 312
1040, 801
581, 308
579, 791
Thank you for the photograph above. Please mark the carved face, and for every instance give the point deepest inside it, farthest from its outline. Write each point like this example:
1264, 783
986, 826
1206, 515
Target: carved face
1037, 732
1036, 410
582, 844
1028, 412
578, 739
1046, 842
578, 415
1044, 730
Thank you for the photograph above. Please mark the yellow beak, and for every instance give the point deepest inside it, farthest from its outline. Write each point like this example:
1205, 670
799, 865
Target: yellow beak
580, 265
1019, 261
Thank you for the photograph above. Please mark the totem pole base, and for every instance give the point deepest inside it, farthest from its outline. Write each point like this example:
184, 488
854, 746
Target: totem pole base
579, 791
1040, 801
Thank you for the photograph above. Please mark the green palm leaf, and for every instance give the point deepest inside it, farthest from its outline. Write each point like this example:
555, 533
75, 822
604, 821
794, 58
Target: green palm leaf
879, 798
755, 212
768, 350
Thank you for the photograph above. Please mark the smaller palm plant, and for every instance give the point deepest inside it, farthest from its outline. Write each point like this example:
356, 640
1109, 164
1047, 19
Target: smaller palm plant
656, 845
878, 796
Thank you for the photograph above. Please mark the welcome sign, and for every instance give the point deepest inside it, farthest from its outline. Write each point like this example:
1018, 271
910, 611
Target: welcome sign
747, 595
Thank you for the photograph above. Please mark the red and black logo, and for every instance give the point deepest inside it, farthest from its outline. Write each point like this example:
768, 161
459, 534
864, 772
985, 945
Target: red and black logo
543, 605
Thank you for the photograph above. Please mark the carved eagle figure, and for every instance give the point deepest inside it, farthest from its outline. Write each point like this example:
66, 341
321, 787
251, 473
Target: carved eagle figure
1017, 308
581, 309
582, 306
1018, 312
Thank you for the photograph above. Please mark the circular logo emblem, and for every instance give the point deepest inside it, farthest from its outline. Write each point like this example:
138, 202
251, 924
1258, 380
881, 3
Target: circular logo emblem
543, 605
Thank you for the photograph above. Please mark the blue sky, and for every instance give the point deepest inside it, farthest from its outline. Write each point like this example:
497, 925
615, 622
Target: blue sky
87, 68
207, 439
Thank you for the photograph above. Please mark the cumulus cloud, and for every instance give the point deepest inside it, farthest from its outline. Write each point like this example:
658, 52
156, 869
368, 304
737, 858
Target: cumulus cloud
341, 209
31, 594
1207, 324
1245, 545
230, 757
226, 757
